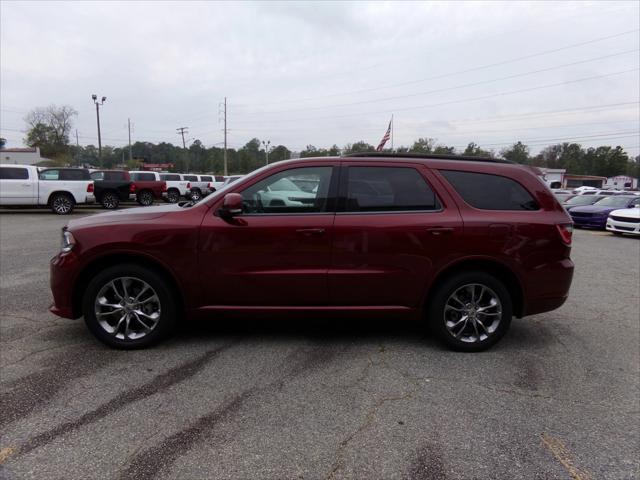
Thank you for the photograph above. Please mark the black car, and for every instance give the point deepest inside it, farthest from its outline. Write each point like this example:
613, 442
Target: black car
111, 187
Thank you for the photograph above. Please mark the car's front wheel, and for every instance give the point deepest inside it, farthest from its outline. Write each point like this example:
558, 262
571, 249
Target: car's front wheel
470, 311
129, 306
173, 196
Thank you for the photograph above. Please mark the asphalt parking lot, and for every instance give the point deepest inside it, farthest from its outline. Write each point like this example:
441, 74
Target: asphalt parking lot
557, 398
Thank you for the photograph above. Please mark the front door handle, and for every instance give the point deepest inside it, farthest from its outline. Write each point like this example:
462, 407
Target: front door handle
440, 230
310, 232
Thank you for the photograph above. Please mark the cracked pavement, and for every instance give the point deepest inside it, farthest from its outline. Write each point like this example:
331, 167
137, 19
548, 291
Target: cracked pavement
557, 398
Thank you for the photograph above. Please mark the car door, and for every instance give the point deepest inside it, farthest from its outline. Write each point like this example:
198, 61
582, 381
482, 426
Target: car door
278, 251
391, 231
16, 188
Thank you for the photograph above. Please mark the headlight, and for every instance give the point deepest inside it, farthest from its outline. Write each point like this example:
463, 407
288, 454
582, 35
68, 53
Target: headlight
68, 241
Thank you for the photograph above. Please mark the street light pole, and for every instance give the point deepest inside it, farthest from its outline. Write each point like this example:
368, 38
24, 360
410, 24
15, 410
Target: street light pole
266, 148
94, 97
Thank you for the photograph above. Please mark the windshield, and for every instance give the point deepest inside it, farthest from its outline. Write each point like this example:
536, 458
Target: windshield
613, 202
582, 200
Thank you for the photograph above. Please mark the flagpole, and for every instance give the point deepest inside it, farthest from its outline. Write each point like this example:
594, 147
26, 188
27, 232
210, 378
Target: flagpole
392, 133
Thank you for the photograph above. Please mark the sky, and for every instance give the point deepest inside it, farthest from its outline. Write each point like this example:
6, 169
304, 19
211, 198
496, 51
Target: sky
328, 73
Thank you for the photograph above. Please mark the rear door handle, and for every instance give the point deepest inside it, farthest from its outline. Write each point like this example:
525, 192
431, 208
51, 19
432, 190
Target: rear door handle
440, 230
310, 232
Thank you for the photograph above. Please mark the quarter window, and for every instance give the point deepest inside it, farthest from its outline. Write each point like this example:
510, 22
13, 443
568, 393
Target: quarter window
143, 177
14, 173
388, 189
74, 175
298, 190
171, 177
50, 175
206, 178
490, 192
97, 175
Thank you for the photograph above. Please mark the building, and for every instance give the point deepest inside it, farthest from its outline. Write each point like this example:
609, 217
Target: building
157, 167
554, 177
22, 156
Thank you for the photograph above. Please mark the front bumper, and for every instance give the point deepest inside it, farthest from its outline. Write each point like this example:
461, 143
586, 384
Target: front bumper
589, 222
62, 269
623, 227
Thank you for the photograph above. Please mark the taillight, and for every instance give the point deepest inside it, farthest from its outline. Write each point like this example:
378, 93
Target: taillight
188, 185
164, 187
90, 188
566, 231
132, 188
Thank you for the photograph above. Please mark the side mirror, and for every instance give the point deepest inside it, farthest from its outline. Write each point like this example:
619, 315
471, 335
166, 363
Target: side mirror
231, 205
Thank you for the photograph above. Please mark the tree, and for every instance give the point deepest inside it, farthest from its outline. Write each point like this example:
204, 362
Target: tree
358, 147
49, 129
279, 153
443, 149
474, 150
423, 145
518, 153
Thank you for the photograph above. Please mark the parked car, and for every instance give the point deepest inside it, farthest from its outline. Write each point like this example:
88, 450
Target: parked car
147, 186
581, 200
626, 220
464, 242
231, 179
61, 189
563, 197
111, 187
595, 216
176, 186
199, 189
583, 189
214, 181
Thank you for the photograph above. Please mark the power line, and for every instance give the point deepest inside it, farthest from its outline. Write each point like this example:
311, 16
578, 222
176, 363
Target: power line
182, 131
445, 89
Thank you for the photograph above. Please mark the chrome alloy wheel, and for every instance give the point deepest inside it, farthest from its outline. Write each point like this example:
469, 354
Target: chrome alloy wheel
127, 308
62, 204
472, 313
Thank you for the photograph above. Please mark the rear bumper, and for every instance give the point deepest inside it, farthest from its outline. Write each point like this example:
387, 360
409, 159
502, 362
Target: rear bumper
623, 227
551, 289
62, 270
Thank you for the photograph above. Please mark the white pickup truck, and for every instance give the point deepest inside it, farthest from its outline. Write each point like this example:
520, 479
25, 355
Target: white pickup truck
57, 188
176, 186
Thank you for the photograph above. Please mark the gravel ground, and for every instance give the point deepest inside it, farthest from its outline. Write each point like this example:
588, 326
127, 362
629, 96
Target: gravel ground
557, 398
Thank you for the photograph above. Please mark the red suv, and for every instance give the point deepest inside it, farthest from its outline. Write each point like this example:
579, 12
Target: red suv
465, 243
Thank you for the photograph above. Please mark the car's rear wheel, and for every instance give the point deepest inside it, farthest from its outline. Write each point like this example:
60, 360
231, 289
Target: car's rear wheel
110, 200
145, 198
173, 196
62, 203
129, 306
470, 311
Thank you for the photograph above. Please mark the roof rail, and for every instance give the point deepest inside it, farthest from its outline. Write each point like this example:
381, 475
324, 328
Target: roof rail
436, 156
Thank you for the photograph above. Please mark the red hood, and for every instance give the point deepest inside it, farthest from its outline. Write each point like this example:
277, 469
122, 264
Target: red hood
129, 215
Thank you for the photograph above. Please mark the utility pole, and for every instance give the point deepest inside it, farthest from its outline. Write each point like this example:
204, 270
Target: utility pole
182, 131
129, 125
225, 137
77, 149
266, 149
94, 97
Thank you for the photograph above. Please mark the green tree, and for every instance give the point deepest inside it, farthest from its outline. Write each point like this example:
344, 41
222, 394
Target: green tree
279, 153
423, 145
49, 129
358, 147
474, 150
518, 153
443, 149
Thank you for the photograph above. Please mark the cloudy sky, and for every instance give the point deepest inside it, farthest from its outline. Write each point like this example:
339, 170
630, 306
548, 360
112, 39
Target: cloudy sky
325, 73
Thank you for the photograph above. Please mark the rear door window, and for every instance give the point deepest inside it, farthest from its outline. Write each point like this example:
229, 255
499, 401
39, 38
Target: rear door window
490, 192
206, 178
387, 189
50, 175
74, 175
190, 178
115, 176
171, 177
143, 177
14, 173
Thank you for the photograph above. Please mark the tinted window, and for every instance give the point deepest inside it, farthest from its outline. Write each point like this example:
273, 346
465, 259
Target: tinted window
382, 189
97, 175
74, 175
13, 173
283, 192
116, 176
172, 177
49, 175
490, 192
143, 177
619, 202
190, 178
206, 178
219, 178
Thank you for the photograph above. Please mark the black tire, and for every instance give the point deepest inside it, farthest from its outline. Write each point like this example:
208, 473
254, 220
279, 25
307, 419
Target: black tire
196, 194
157, 282
110, 200
438, 317
145, 198
173, 196
61, 203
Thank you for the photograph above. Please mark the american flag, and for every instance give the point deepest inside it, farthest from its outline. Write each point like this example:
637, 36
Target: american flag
386, 137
